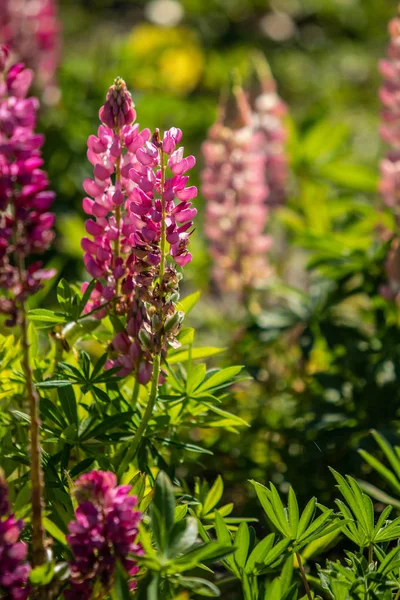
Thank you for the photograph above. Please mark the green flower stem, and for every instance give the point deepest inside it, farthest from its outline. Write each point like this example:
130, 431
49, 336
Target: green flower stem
303, 576
135, 392
149, 408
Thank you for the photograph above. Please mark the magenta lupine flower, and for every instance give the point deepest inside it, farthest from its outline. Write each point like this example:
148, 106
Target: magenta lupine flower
32, 30
104, 532
390, 115
234, 185
269, 110
133, 206
160, 205
25, 222
14, 571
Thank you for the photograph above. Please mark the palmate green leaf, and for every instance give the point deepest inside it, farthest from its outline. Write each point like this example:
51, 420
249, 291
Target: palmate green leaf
54, 531
53, 383
184, 445
390, 561
64, 294
182, 536
274, 556
210, 552
224, 511
381, 469
378, 494
188, 303
242, 543
67, 399
388, 532
180, 512
225, 539
388, 451
353, 495
316, 525
107, 425
262, 494
218, 378
42, 317
259, 553
306, 516
279, 509
293, 509
42, 575
181, 356
201, 587
213, 496
195, 377
231, 418
164, 505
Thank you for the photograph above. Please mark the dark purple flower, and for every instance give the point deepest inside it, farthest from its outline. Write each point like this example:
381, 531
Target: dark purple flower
105, 531
25, 223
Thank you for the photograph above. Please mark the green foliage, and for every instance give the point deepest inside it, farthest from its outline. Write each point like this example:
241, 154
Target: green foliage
175, 550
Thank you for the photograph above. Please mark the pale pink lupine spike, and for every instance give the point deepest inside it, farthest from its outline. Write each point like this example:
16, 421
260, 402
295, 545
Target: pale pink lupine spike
233, 183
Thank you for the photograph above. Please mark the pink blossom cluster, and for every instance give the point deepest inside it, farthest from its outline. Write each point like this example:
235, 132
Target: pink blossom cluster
104, 532
234, 185
390, 128
269, 110
133, 206
25, 221
32, 29
14, 571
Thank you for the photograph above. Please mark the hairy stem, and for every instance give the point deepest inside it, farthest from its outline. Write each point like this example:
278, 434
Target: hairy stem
370, 553
303, 576
149, 408
135, 392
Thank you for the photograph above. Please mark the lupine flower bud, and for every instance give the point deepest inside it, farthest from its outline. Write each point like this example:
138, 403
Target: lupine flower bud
25, 223
32, 32
234, 185
104, 532
14, 571
118, 109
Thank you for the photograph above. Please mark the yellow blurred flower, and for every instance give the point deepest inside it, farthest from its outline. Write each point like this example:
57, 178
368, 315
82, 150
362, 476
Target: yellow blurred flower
168, 58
